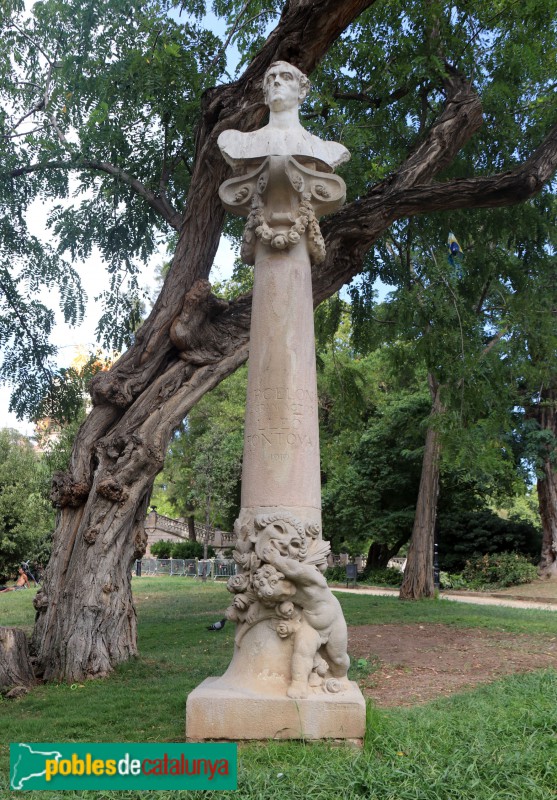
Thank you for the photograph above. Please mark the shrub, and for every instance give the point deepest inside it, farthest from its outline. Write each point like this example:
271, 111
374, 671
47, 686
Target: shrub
467, 535
384, 577
452, 580
499, 570
161, 549
185, 549
335, 574
190, 549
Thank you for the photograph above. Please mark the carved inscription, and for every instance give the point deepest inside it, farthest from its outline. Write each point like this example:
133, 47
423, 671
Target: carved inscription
278, 419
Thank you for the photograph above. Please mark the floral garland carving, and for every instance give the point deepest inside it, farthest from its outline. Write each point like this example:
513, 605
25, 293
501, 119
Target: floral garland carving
258, 228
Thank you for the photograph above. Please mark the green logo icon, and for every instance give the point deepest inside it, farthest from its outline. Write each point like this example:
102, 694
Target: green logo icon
63, 765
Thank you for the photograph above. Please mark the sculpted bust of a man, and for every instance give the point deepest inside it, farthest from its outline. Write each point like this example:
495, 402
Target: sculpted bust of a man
284, 89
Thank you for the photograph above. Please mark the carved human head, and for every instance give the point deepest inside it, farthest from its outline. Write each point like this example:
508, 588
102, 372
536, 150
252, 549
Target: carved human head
284, 86
283, 532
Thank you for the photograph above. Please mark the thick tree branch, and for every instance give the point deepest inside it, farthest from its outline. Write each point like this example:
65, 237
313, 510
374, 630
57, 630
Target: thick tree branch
158, 203
374, 100
503, 189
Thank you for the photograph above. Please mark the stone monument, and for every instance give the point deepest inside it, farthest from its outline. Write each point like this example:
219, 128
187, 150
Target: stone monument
288, 675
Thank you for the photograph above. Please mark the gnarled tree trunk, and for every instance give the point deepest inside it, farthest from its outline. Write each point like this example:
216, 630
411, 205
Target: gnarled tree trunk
16, 674
379, 554
86, 620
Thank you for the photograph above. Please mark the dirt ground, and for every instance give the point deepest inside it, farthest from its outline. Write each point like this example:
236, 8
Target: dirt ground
407, 665
537, 590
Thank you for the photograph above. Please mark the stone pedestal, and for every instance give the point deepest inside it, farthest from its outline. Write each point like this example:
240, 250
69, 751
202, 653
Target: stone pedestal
218, 711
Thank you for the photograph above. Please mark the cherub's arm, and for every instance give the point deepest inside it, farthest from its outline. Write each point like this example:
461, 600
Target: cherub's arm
304, 574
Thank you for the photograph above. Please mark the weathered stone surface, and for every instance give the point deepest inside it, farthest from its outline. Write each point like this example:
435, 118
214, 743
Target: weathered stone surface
218, 711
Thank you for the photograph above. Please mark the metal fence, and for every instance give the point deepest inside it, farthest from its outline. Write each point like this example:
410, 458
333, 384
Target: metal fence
186, 567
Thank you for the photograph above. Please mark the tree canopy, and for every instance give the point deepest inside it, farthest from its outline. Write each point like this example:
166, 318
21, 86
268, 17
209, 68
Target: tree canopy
26, 517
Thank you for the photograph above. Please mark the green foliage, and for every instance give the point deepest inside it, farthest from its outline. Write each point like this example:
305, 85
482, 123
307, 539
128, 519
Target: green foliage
453, 580
162, 549
190, 550
371, 446
384, 577
202, 471
499, 570
99, 97
463, 534
335, 574
185, 549
26, 518
100, 103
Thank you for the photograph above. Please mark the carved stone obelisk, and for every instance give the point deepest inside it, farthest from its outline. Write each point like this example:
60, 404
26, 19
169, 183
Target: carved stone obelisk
288, 675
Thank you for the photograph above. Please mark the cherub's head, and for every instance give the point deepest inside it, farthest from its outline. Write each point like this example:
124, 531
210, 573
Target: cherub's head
270, 585
284, 86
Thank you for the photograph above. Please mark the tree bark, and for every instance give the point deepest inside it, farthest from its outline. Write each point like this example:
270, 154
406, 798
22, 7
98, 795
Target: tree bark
546, 414
190, 342
418, 575
379, 554
15, 666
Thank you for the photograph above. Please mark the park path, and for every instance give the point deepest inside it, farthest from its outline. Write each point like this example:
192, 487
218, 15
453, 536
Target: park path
475, 599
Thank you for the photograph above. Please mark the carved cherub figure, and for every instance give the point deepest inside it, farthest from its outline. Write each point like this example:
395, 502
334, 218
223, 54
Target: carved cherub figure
323, 624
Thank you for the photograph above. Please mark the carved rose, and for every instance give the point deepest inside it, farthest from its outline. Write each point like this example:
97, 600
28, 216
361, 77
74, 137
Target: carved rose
313, 530
280, 241
238, 583
264, 233
293, 237
321, 190
242, 194
241, 601
283, 630
334, 685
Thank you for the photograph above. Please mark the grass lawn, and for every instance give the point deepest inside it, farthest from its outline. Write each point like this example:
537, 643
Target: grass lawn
498, 742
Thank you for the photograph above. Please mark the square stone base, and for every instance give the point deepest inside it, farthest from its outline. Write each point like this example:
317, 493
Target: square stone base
214, 713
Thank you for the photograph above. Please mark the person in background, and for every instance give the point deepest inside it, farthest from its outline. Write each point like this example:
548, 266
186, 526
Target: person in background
21, 583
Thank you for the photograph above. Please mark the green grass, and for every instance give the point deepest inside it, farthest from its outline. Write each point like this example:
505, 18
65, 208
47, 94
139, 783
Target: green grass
498, 742
373, 610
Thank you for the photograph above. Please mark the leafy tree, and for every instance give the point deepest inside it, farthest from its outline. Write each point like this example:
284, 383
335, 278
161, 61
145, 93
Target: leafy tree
122, 97
202, 471
465, 535
371, 452
189, 549
26, 518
